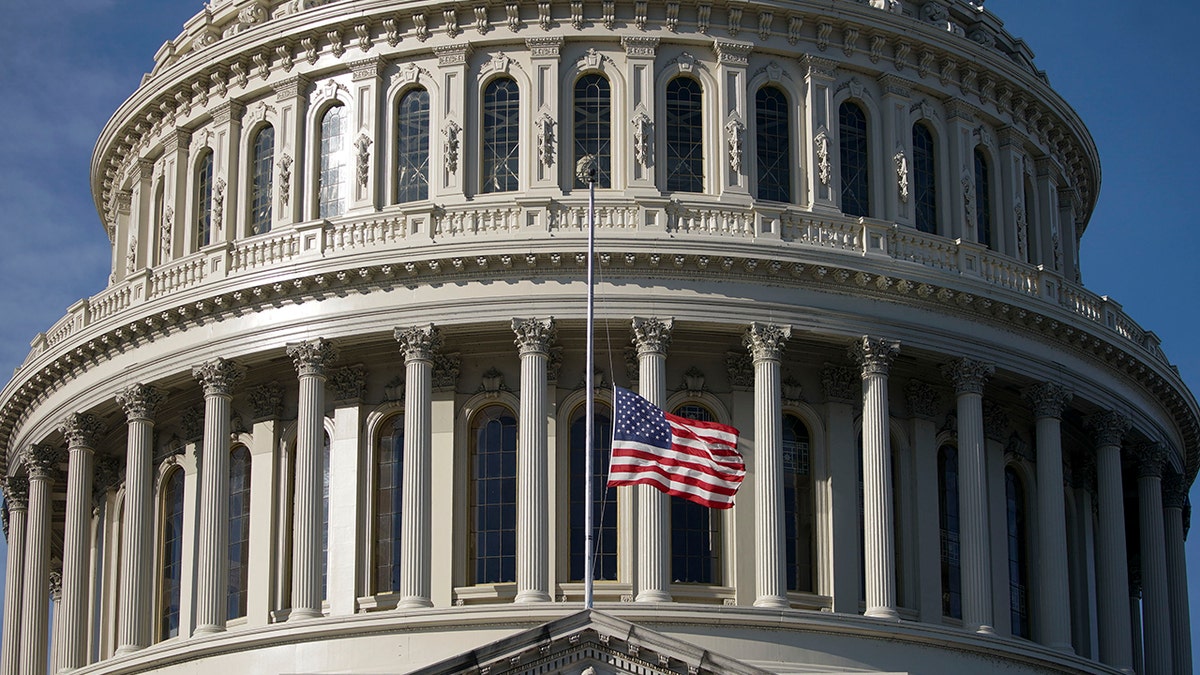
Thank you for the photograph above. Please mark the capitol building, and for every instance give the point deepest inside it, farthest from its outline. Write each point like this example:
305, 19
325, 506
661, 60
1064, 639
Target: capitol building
328, 414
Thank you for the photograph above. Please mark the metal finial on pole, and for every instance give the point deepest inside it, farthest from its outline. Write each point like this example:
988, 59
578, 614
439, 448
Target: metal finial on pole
585, 169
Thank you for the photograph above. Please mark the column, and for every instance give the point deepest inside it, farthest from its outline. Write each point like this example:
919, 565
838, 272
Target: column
969, 377
652, 337
766, 342
218, 378
639, 73
369, 144
310, 358
17, 494
960, 175
1174, 494
1054, 595
876, 356
291, 96
40, 462
227, 170
1112, 592
1156, 607
418, 345
81, 431
534, 337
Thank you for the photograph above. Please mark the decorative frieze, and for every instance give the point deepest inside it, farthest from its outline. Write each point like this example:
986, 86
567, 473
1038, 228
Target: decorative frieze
312, 356
546, 47
639, 46
733, 53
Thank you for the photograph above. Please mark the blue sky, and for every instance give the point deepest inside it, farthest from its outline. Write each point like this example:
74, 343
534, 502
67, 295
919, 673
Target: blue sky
1124, 66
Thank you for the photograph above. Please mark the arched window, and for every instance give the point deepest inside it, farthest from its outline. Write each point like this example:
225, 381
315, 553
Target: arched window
855, 159
924, 179
797, 505
685, 135
204, 190
412, 146
389, 481
493, 496
1018, 554
262, 180
773, 143
695, 529
172, 555
948, 523
983, 199
239, 531
593, 126
501, 136
331, 200
604, 500
325, 518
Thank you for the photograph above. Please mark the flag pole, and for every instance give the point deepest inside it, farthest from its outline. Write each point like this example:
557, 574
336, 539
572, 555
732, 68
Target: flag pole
586, 169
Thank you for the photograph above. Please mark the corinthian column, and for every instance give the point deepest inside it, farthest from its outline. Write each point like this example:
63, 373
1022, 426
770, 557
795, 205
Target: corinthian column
81, 431
17, 495
969, 377
1112, 568
1054, 598
533, 550
40, 462
140, 403
1174, 495
1156, 608
310, 358
652, 337
879, 547
766, 342
218, 378
416, 521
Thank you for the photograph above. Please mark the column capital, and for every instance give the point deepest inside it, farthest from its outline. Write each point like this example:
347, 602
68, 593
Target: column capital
267, 401
311, 357
56, 586
16, 492
42, 460
140, 401
418, 343
1048, 399
1151, 458
218, 376
922, 399
968, 375
1174, 489
534, 336
652, 335
766, 340
82, 430
1109, 427
874, 354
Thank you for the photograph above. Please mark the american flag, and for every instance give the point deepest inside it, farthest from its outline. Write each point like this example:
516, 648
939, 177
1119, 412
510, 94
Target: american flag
686, 458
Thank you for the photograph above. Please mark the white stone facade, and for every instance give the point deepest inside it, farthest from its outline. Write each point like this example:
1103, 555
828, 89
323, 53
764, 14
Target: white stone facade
165, 443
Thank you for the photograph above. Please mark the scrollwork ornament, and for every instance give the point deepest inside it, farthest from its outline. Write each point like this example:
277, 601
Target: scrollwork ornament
285, 179
419, 343
821, 144
218, 376
1109, 428
874, 354
16, 492
733, 132
81, 430
446, 368
841, 384
643, 131
348, 383
267, 401
534, 336
545, 139
652, 335
363, 145
901, 174
218, 204
1151, 458
451, 134
766, 341
739, 367
1048, 399
140, 401
312, 357
968, 375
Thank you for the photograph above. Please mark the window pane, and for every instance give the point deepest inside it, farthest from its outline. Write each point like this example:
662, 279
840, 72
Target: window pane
948, 522
773, 144
685, 136
389, 479
501, 136
412, 147
604, 500
264, 176
332, 198
798, 505
1018, 554
204, 187
593, 126
172, 554
239, 531
493, 496
852, 135
924, 179
983, 199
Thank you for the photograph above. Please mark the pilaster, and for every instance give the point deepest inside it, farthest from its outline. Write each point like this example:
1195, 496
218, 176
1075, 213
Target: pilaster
819, 126
640, 51
550, 151
367, 135
897, 149
291, 96
733, 59
452, 75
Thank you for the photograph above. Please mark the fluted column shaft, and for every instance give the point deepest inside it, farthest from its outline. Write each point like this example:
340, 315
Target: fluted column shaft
1174, 495
134, 615
311, 359
1054, 596
416, 522
81, 432
879, 546
1112, 569
534, 337
17, 493
969, 377
766, 343
212, 546
653, 337
35, 595
1156, 607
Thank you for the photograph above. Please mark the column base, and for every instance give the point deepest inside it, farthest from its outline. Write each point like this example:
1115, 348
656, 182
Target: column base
1064, 647
208, 630
653, 596
985, 630
303, 615
128, 649
885, 613
532, 596
772, 602
414, 602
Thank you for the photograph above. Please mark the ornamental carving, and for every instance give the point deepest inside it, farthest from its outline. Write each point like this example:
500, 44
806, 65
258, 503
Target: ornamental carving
693, 382
922, 399
252, 14
652, 335
218, 204
106, 476
766, 341
995, 420
285, 179
56, 586
1048, 399
643, 132
545, 139
968, 375
131, 255
968, 200
1151, 458
191, 424
1022, 231
140, 401
740, 370
16, 492
733, 133
218, 376
901, 162
81, 430
534, 336
362, 145
492, 383
512, 11
841, 384
419, 342
791, 391
821, 144
1174, 490
312, 356
266, 401
1109, 428
445, 371
41, 461
348, 383
874, 354
164, 238
554, 363
451, 133
394, 390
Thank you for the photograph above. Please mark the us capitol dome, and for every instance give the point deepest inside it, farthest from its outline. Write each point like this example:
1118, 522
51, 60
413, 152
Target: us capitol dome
327, 416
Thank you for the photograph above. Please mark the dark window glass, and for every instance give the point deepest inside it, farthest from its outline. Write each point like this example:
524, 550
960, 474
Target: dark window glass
172, 554
1018, 554
924, 179
852, 136
593, 126
389, 479
695, 529
948, 524
501, 136
263, 179
204, 188
797, 505
604, 500
983, 199
325, 518
493, 495
685, 136
412, 147
239, 531
332, 198
774, 145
